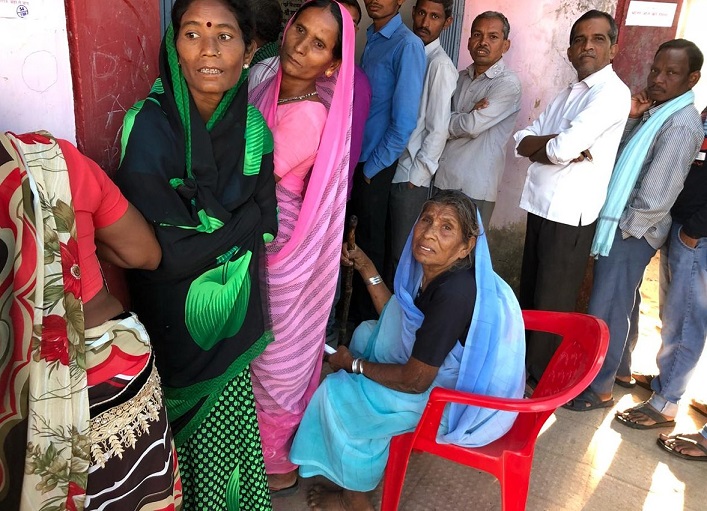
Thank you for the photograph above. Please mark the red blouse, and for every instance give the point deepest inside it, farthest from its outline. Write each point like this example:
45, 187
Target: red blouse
97, 203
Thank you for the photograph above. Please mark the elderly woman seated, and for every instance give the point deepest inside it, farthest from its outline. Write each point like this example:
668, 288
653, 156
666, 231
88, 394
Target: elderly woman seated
452, 322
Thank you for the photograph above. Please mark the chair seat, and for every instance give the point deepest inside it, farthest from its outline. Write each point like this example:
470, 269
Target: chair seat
576, 362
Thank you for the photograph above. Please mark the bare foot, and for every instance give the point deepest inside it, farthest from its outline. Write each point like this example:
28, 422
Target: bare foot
323, 499
686, 444
279, 481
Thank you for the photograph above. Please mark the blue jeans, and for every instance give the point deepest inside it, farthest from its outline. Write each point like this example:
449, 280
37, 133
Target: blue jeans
624, 370
684, 320
617, 278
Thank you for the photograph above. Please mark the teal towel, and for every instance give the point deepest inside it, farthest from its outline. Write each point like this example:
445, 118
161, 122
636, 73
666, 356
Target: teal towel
626, 171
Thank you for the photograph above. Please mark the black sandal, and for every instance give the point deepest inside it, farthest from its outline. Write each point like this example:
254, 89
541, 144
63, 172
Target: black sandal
643, 380
588, 400
672, 450
285, 492
659, 420
625, 384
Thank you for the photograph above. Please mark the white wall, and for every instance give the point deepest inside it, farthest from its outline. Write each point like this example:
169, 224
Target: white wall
35, 71
692, 20
539, 40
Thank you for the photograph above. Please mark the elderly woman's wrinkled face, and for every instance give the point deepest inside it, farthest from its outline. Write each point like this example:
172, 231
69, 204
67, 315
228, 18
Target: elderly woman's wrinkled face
437, 238
211, 49
306, 51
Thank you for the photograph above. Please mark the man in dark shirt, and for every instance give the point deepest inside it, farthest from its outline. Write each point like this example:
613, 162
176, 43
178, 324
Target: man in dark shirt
683, 299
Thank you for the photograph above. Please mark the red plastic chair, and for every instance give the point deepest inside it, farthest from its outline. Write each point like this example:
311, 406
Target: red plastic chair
571, 370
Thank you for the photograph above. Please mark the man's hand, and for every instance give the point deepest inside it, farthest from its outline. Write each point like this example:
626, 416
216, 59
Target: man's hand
481, 104
687, 240
640, 103
584, 155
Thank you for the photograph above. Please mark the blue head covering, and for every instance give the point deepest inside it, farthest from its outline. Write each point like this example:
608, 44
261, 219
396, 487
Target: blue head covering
492, 360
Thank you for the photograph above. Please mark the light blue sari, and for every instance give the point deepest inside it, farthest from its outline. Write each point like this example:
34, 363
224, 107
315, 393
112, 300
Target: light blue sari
348, 425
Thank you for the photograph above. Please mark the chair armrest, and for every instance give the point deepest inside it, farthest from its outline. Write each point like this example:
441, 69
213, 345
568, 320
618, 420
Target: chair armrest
443, 396
440, 397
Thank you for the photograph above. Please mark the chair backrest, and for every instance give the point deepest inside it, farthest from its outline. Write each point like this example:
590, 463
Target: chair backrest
574, 365
579, 357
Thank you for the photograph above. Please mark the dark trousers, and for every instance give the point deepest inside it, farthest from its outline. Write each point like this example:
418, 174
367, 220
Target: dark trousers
485, 208
405, 206
555, 257
369, 202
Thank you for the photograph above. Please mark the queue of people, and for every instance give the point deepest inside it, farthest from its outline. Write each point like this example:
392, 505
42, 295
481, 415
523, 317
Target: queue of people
229, 214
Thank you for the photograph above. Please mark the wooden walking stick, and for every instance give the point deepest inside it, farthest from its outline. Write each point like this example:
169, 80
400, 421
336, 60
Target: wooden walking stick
347, 280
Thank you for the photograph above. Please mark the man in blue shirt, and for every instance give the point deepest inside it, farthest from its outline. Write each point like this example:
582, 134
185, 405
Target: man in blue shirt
394, 61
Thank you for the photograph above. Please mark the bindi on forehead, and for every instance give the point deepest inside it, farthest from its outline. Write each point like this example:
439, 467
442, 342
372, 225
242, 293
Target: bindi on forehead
208, 24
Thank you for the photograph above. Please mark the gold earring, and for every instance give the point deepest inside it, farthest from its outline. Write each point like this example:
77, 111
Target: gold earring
328, 73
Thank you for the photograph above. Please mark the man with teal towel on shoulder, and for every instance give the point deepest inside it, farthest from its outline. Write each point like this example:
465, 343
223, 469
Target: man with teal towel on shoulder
660, 142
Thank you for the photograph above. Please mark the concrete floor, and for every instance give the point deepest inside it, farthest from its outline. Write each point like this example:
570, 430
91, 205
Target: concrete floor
583, 461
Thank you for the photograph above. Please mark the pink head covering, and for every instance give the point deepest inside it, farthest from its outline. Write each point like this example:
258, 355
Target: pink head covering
302, 272
331, 164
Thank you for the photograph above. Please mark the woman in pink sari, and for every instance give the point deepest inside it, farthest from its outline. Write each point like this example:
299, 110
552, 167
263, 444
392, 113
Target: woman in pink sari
307, 105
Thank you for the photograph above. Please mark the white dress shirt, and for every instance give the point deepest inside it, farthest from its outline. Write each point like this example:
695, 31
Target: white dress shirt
475, 154
419, 160
590, 114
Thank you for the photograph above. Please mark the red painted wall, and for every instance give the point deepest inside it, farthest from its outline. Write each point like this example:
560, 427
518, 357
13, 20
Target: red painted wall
114, 47
637, 45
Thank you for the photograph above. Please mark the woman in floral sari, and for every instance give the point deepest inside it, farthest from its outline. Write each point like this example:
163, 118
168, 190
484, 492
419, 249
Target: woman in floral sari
82, 421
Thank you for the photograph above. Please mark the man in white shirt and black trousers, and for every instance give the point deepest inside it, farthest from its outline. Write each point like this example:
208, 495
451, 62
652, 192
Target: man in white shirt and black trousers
572, 147
419, 161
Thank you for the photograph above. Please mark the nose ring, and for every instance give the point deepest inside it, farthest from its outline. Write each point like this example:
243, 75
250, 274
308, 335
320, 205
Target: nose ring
218, 53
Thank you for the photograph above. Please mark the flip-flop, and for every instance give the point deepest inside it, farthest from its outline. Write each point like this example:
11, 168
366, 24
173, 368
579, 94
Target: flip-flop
625, 384
588, 400
643, 380
285, 492
699, 407
660, 420
679, 454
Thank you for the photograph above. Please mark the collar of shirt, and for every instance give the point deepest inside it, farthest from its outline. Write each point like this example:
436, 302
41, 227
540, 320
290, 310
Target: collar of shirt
650, 111
598, 77
491, 72
429, 48
388, 29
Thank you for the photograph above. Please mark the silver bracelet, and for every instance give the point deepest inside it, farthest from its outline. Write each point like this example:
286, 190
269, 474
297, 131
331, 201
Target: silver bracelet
354, 366
360, 367
376, 279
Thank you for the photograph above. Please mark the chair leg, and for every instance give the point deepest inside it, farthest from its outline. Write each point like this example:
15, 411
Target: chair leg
398, 458
515, 482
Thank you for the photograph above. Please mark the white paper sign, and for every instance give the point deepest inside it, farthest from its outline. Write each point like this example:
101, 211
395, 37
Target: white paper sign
20, 9
650, 14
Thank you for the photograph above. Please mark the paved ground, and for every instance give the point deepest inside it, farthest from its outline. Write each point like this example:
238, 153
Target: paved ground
583, 461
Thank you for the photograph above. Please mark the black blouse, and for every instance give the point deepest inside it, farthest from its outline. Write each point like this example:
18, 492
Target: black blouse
448, 304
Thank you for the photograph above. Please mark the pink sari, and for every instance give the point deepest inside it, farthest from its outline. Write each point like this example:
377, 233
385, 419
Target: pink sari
302, 265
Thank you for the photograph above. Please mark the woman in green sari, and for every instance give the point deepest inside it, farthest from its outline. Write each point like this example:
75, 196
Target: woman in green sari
197, 162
